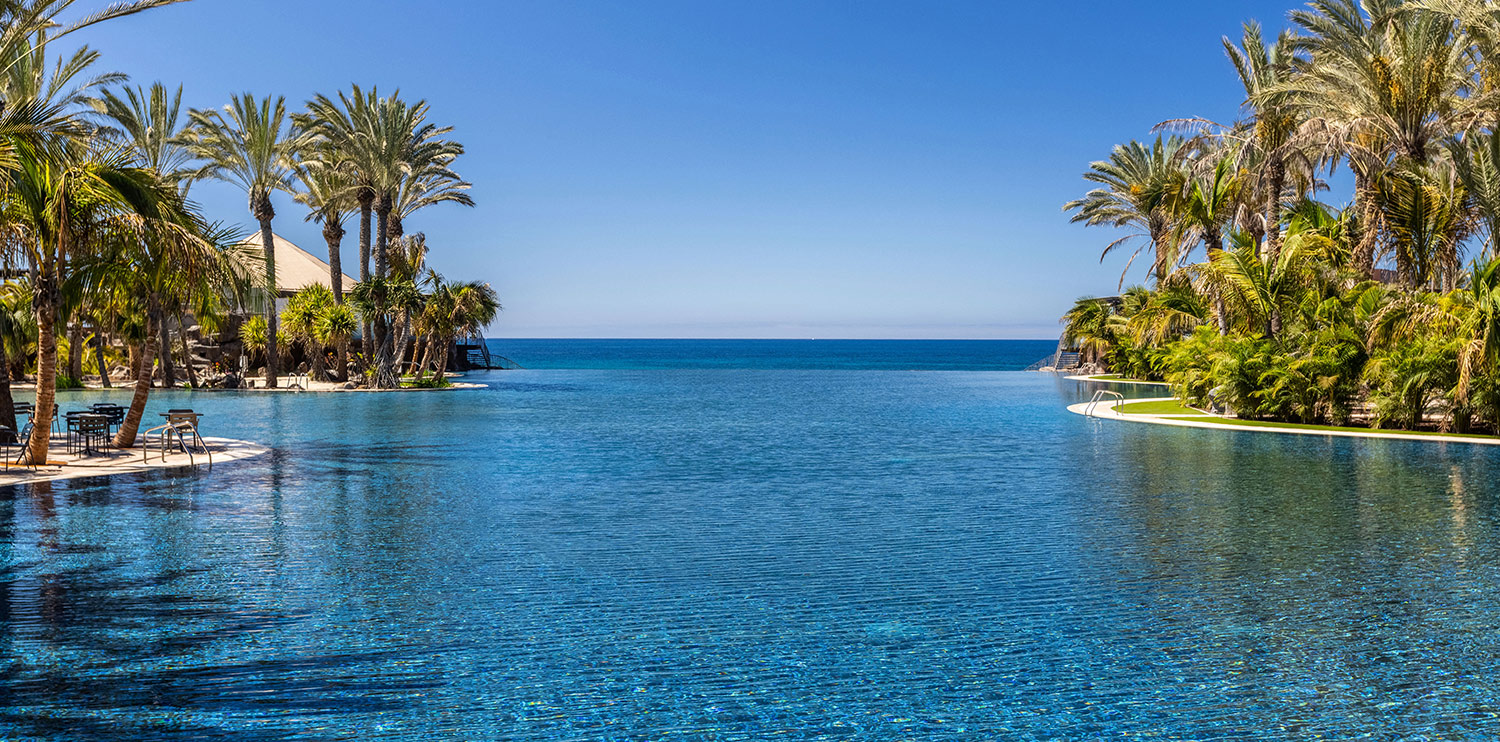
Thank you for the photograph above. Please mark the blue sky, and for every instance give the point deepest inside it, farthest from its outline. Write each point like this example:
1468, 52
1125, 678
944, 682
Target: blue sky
738, 168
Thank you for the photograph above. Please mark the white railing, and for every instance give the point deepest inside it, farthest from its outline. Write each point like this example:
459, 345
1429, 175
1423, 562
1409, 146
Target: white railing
1098, 397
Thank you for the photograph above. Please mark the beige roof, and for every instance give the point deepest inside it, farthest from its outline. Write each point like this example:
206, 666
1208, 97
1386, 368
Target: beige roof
296, 268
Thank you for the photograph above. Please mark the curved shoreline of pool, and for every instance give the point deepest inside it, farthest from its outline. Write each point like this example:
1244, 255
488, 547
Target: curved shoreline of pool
224, 450
1107, 411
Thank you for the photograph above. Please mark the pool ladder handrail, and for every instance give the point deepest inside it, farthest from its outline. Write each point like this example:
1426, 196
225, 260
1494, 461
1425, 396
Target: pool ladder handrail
1099, 397
186, 437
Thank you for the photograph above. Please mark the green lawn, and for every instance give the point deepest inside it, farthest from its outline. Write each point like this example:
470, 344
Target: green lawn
1161, 407
1353, 429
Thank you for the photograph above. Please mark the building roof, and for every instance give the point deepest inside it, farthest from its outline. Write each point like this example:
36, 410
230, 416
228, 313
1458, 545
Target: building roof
296, 268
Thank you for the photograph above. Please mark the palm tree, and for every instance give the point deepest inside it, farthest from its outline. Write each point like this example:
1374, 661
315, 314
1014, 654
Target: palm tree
1425, 212
151, 124
1476, 161
433, 186
380, 142
1204, 208
1382, 83
165, 264
49, 193
329, 193
1136, 181
1171, 312
1260, 288
1088, 327
253, 144
301, 316
1263, 72
334, 327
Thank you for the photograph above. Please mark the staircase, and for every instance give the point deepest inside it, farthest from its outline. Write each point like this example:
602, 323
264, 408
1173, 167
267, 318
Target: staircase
1068, 360
476, 358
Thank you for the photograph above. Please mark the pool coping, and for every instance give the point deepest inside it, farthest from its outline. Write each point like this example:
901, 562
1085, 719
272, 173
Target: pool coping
1106, 411
1097, 379
224, 450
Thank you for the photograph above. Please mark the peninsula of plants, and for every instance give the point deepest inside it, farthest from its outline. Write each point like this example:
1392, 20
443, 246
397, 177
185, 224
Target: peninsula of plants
111, 270
1269, 296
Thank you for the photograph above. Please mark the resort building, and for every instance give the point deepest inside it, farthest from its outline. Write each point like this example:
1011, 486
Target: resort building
296, 269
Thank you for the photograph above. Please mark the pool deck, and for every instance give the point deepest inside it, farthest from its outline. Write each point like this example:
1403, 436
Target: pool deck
62, 465
1108, 411
312, 386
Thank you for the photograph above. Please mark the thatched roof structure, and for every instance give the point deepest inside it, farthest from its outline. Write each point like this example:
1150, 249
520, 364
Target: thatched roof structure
296, 268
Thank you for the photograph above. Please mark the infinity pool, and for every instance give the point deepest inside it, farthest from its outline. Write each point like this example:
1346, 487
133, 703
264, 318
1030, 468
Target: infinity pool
737, 555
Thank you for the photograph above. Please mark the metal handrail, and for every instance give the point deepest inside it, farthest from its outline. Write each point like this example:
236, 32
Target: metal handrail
185, 433
1099, 397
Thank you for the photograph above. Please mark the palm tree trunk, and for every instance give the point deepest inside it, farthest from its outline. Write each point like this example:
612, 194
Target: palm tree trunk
75, 349
7, 403
125, 437
268, 244
1277, 183
45, 302
168, 371
366, 202
426, 350
403, 334
333, 234
187, 355
1214, 243
385, 376
319, 368
1159, 253
1365, 207
99, 343
442, 359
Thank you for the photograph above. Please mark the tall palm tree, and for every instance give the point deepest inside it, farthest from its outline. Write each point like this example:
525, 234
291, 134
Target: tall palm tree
253, 144
163, 264
49, 192
150, 122
433, 186
1382, 83
1136, 181
1272, 124
1204, 208
329, 194
380, 141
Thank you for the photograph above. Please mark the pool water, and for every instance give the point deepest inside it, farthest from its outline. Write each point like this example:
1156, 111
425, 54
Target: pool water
705, 554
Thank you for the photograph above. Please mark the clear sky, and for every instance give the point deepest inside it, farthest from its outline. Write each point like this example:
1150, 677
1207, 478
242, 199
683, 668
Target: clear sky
738, 168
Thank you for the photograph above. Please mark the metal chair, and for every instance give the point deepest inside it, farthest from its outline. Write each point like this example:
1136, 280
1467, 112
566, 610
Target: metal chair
115, 414
23, 442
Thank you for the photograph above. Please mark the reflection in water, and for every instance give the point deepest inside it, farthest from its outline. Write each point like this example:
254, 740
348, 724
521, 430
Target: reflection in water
736, 555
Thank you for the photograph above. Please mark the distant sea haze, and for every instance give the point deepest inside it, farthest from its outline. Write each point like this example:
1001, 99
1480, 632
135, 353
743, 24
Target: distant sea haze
894, 355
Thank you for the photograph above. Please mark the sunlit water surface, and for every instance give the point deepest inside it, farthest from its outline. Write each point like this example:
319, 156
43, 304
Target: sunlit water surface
747, 554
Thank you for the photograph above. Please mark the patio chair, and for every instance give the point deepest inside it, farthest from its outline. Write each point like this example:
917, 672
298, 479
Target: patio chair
23, 442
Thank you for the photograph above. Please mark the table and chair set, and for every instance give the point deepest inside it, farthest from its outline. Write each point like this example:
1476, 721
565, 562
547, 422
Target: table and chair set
91, 432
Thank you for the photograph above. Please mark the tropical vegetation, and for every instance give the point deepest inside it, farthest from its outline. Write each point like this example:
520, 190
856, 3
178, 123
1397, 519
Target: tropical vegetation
111, 269
1266, 297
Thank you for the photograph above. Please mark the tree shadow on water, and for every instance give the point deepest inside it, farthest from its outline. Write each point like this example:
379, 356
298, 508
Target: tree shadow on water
98, 652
